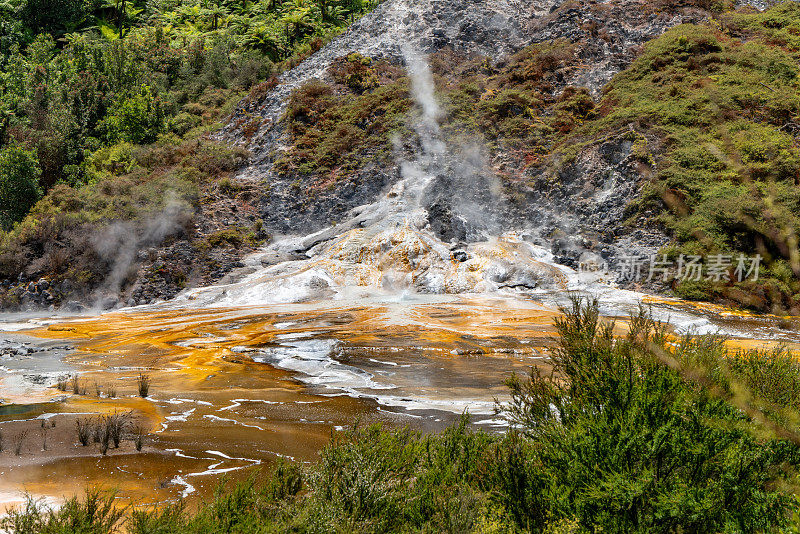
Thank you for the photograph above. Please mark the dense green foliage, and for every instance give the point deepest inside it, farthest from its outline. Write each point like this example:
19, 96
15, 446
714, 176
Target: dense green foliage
19, 184
722, 103
66, 98
631, 434
104, 109
272, 27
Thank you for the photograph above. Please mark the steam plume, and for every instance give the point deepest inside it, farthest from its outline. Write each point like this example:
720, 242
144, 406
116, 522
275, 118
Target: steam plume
120, 243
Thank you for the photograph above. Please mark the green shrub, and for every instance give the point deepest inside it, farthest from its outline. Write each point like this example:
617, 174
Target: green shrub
183, 122
137, 119
354, 71
230, 187
97, 513
638, 434
19, 184
233, 237
115, 160
216, 158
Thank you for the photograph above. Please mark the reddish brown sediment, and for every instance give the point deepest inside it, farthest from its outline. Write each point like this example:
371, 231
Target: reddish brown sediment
195, 363
212, 409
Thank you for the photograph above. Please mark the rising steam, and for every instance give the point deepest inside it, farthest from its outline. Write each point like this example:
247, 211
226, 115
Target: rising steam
417, 174
404, 242
468, 188
120, 243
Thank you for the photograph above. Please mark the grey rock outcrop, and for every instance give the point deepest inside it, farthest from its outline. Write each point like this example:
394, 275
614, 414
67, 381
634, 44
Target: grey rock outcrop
586, 201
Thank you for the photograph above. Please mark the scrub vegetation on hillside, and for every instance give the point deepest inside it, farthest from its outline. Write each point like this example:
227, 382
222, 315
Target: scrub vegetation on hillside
105, 111
723, 102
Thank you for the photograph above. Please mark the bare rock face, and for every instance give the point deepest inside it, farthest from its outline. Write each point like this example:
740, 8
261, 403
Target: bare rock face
587, 201
580, 211
608, 34
611, 29
758, 4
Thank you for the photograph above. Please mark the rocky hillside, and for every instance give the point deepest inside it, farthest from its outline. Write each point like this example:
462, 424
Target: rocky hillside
525, 90
545, 135
603, 37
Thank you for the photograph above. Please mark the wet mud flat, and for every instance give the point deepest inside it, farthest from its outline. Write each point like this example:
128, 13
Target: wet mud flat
29, 364
235, 389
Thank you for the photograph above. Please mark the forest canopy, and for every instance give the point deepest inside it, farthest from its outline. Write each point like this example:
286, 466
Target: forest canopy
80, 76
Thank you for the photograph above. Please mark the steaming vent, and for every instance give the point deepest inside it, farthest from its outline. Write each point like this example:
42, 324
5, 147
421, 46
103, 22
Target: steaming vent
394, 245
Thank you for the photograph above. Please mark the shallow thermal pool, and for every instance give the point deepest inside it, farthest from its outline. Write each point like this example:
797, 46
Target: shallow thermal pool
237, 388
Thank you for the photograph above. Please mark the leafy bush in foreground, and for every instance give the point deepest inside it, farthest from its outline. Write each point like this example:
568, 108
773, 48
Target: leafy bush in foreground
627, 441
97, 513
